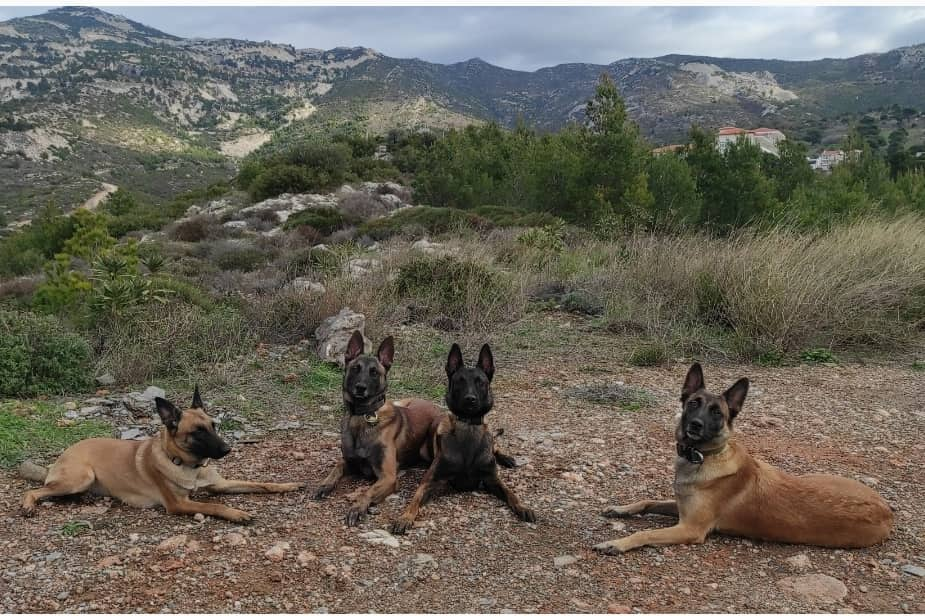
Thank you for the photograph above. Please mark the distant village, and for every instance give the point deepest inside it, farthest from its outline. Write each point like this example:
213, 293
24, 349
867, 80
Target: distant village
767, 139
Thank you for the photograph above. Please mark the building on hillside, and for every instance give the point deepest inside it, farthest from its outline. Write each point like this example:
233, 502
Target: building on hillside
765, 138
829, 158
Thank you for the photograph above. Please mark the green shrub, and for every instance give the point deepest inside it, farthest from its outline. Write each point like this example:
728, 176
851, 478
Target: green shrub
170, 340
466, 290
548, 239
818, 356
420, 221
36, 430
503, 216
653, 354
230, 255
38, 355
305, 167
324, 220
25, 251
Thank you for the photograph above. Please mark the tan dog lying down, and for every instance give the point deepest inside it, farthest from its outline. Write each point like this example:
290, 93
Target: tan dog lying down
720, 487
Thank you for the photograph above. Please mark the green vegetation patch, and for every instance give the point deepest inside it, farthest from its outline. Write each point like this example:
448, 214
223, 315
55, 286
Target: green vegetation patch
38, 429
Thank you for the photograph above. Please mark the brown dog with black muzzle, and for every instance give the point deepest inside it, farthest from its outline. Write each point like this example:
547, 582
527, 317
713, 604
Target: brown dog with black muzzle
378, 437
163, 470
720, 487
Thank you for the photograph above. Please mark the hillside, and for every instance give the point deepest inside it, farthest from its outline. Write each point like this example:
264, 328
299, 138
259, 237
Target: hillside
90, 97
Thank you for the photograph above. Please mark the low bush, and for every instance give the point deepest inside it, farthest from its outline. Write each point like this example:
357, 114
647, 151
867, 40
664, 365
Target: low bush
323, 220
38, 355
242, 256
471, 291
359, 206
171, 340
196, 229
421, 221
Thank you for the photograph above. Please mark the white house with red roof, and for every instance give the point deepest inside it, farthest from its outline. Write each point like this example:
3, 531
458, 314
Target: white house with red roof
765, 138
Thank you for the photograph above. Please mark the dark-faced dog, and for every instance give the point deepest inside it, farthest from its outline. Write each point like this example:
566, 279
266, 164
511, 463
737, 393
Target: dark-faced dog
720, 487
157, 471
377, 437
465, 455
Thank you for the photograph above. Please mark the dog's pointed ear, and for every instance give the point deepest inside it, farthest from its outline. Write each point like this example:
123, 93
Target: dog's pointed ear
197, 399
386, 353
354, 347
735, 397
454, 360
170, 415
487, 362
693, 382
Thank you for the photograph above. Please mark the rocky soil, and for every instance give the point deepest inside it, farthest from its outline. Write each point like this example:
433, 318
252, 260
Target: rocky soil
583, 447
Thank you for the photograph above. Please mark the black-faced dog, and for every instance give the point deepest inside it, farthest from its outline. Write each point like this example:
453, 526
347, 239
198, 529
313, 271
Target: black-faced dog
378, 437
465, 455
158, 471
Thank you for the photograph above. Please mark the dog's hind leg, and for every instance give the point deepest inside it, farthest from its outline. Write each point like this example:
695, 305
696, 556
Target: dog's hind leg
59, 482
660, 507
494, 485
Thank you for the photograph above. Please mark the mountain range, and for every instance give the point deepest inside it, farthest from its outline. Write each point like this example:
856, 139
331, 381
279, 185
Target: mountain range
88, 96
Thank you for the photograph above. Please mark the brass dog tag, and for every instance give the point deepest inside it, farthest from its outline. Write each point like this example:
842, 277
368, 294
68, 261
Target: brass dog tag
372, 419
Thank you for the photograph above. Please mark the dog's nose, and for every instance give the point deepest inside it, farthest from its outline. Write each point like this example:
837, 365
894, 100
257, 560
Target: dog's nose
224, 450
360, 389
695, 426
470, 399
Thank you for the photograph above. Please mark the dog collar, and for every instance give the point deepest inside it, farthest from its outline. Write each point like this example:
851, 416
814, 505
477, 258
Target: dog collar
372, 418
367, 407
179, 462
689, 453
472, 421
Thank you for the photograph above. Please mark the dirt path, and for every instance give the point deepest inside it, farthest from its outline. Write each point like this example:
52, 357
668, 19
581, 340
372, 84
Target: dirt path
467, 553
93, 202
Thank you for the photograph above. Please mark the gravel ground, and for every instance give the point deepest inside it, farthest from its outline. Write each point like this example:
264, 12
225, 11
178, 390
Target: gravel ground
468, 553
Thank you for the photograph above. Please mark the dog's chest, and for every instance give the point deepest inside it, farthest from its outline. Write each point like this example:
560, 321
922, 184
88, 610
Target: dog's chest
361, 448
466, 456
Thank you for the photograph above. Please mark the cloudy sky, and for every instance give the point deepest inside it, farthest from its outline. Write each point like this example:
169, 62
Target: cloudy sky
527, 38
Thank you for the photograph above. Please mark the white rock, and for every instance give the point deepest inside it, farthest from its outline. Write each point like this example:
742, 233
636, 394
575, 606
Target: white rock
172, 543
278, 551
815, 587
380, 537
334, 333
565, 561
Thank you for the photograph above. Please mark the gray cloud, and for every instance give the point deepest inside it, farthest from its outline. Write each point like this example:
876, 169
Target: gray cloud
528, 38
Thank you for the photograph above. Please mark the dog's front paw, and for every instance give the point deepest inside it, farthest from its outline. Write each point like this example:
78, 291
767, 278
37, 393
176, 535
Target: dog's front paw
323, 491
505, 460
27, 511
355, 515
526, 514
616, 512
236, 515
616, 546
402, 525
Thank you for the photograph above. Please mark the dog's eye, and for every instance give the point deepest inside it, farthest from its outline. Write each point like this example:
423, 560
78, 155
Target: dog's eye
356, 367
714, 410
693, 404
373, 371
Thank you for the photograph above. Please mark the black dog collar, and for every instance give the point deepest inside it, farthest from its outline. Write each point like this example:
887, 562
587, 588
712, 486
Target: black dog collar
367, 407
472, 421
689, 453
179, 462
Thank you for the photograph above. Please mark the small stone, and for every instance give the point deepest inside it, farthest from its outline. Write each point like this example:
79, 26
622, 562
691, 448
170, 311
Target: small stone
172, 543
235, 539
815, 587
63, 595
106, 380
70, 406
278, 551
53, 556
619, 608
109, 561
199, 517
133, 537
914, 570
798, 562
564, 561
131, 434
380, 537
298, 455
305, 557
582, 605
573, 477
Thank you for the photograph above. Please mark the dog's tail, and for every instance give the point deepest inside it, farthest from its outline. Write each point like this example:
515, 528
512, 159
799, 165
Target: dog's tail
31, 471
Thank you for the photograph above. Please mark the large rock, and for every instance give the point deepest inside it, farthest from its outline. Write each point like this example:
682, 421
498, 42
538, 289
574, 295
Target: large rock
816, 587
357, 268
142, 403
303, 283
334, 333
288, 204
